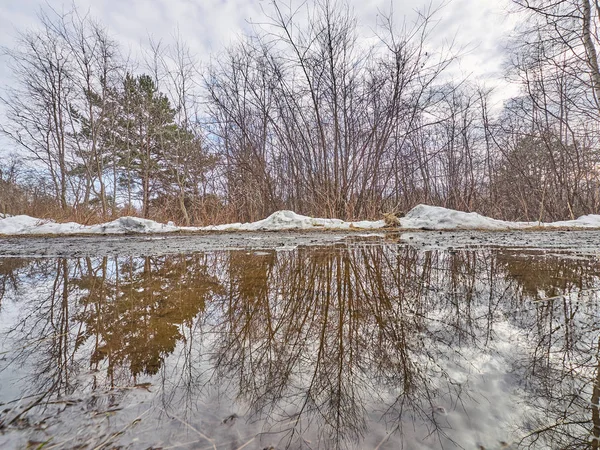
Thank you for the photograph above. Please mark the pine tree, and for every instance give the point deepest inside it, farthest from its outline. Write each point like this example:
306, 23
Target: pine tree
145, 130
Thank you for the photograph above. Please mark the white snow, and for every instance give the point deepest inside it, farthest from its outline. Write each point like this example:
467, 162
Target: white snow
280, 220
289, 220
589, 221
19, 224
131, 225
420, 217
438, 218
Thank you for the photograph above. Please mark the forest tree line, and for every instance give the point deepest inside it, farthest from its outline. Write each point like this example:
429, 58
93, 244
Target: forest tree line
304, 113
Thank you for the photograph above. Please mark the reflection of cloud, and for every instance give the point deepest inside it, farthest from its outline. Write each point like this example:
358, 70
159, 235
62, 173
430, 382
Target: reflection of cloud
333, 344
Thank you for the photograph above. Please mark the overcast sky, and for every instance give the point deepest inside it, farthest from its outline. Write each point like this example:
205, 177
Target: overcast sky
209, 25
482, 27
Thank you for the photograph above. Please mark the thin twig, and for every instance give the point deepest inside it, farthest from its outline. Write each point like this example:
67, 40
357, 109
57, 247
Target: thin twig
384, 440
191, 427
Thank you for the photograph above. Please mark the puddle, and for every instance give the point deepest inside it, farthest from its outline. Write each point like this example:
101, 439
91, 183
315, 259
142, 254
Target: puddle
358, 344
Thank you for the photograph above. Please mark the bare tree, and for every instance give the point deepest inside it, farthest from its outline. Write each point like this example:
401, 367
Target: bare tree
557, 67
37, 108
96, 71
314, 119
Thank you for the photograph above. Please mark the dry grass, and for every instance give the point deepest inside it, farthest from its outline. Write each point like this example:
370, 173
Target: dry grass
391, 220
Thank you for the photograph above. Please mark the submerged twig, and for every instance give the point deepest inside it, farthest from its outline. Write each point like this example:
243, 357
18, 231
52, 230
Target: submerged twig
202, 435
384, 440
558, 297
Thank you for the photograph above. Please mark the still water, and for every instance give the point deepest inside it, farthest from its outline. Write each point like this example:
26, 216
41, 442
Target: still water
357, 344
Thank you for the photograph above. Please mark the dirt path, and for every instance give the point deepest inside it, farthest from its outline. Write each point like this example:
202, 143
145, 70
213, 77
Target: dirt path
585, 242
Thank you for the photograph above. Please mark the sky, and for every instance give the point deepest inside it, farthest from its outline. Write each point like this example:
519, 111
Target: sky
480, 27
210, 25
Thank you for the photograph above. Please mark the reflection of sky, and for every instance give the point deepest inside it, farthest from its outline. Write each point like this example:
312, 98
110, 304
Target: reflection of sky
473, 337
10, 389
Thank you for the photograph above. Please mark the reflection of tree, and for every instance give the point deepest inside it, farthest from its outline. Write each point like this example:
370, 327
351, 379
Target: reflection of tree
332, 327
137, 316
46, 327
9, 274
320, 342
130, 310
596, 404
561, 369
546, 276
293, 339
562, 394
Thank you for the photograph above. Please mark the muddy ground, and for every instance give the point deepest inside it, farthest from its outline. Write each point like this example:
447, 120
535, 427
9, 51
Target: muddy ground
586, 242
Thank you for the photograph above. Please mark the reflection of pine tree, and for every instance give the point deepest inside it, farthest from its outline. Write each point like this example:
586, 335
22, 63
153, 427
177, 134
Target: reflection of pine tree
137, 320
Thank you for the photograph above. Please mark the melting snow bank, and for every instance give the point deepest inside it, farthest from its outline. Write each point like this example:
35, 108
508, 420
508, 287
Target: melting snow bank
420, 217
438, 218
29, 225
280, 220
289, 220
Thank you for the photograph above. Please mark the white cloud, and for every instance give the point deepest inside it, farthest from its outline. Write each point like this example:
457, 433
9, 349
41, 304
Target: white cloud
207, 26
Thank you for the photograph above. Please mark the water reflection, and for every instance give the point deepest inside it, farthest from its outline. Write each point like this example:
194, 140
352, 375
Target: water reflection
346, 346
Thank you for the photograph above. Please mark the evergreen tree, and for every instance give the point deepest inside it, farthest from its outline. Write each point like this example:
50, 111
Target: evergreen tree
144, 132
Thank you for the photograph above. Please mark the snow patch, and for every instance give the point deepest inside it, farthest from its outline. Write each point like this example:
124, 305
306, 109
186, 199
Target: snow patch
280, 220
130, 224
19, 224
289, 220
438, 218
420, 217
589, 221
